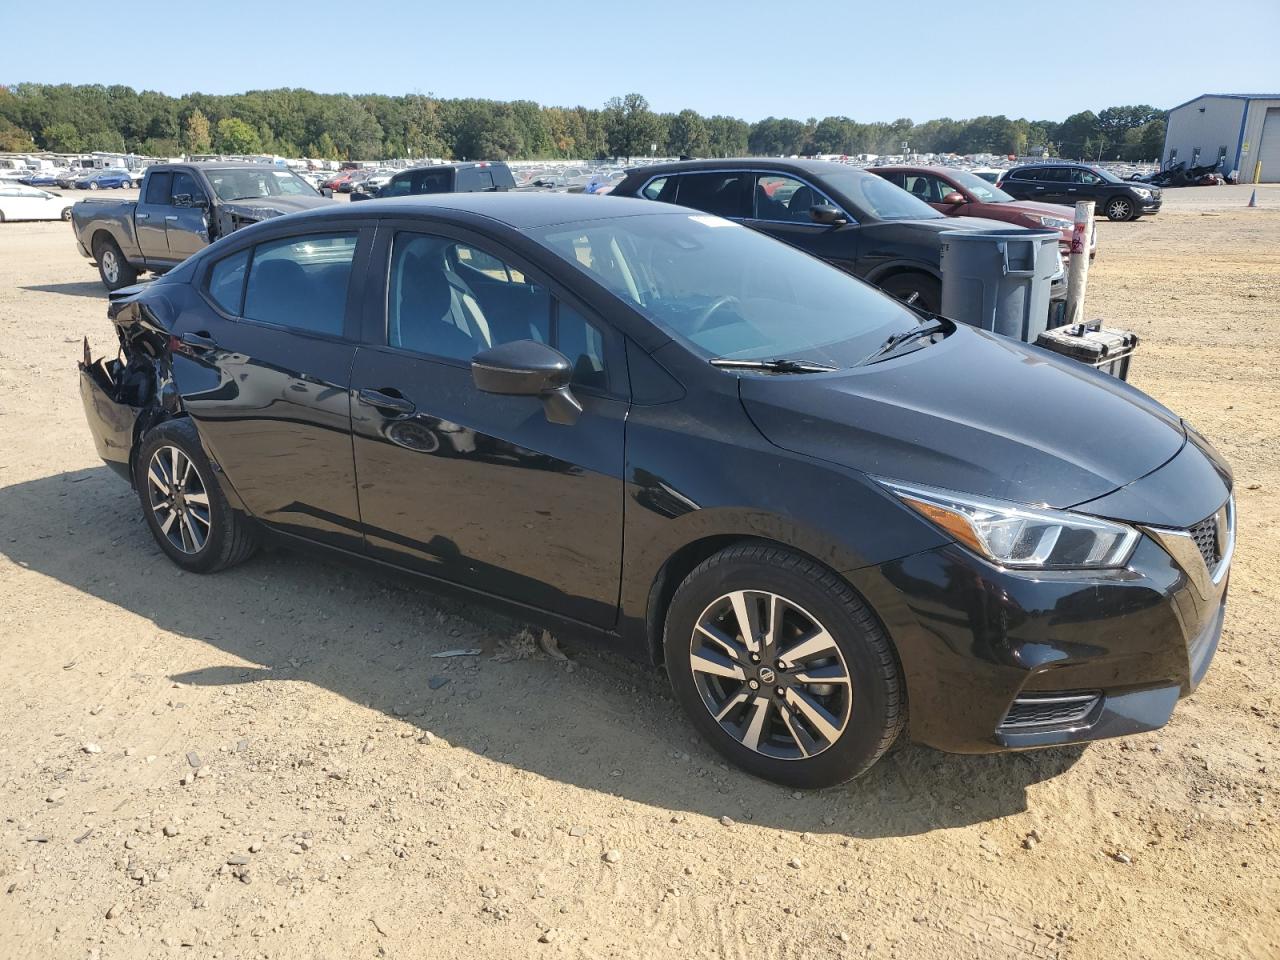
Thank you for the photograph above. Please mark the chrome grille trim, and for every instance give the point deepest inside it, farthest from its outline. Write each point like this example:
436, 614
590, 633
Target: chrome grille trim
1204, 551
1050, 710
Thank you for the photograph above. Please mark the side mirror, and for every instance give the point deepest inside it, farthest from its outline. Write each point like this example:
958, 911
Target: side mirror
359, 195
954, 198
527, 368
828, 215
200, 203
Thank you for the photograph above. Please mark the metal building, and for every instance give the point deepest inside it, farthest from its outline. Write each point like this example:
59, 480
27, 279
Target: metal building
1238, 131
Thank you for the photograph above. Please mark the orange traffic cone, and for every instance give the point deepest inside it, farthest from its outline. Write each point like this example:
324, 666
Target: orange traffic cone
1253, 198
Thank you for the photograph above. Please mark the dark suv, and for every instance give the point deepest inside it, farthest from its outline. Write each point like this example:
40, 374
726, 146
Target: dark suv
1116, 199
483, 176
854, 220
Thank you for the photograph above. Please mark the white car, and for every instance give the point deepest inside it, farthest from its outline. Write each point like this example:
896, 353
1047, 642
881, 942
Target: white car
20, 202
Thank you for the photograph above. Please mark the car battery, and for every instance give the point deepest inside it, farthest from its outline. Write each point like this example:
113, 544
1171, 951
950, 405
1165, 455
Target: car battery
1104, 349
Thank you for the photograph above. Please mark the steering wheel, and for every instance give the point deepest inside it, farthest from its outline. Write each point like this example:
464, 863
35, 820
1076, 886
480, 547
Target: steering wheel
719, 303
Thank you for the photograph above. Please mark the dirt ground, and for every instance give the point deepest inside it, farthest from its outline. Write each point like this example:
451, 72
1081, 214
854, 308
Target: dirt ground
270, 762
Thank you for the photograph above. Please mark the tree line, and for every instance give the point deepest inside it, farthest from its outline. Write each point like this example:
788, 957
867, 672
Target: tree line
67, 118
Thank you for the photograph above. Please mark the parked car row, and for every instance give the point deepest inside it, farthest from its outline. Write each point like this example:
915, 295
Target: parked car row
854, 219
835, 519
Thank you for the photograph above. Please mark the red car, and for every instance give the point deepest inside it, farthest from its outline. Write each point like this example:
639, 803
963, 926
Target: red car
958, 193
337, 180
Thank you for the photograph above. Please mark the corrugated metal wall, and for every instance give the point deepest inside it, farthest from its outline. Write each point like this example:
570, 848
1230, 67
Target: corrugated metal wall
1206, 124
1262, 140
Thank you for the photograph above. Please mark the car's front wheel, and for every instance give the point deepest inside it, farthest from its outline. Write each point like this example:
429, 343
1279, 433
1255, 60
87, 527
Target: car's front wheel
66, 213
185, 509
783, 667
1119, 209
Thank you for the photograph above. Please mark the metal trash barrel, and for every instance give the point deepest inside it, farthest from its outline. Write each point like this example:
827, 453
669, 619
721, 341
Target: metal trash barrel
999, 280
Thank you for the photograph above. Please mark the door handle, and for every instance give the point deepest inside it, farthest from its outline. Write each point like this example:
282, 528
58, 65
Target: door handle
199, 341
385, 399
142, 216
172, 216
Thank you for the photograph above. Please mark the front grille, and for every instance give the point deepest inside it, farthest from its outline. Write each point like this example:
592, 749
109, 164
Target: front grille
1205, 535
1050, 709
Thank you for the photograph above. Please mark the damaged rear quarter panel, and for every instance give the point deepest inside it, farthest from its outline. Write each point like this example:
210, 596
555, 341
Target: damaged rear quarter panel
125, 395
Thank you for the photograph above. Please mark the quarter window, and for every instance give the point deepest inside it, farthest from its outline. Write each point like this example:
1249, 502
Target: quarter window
226, 281
653, 189
301, 282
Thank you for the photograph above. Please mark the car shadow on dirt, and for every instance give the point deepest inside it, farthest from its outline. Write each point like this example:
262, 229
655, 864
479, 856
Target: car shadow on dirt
601, 722
92, 289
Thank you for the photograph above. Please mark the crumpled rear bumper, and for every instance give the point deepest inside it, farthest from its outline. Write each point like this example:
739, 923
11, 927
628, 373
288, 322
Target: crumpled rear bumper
112, 423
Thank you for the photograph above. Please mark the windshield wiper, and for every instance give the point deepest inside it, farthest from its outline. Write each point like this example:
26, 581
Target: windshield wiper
777, 365
925, 329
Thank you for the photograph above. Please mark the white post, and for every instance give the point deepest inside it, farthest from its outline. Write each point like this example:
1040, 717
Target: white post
1078, 267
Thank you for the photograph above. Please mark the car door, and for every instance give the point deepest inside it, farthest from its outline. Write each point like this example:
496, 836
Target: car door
780, 205
149, 217
1022, 184
263, 367
471, 487
187, 220
1053, 185
1084, 185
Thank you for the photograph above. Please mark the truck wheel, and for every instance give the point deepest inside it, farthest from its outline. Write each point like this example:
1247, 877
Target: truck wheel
928, 290
114, 270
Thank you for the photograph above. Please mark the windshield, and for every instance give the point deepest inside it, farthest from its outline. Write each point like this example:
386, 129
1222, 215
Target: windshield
251, 184
1106, 175
728, 291
982, 189
877, 197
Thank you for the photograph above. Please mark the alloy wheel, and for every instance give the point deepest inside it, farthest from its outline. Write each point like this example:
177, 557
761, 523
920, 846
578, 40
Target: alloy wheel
771, 675
1118, 209
179, 499
110, 265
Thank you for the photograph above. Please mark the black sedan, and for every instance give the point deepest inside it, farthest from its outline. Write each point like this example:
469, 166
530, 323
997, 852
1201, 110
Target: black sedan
853, 219
1067, 183
653, 426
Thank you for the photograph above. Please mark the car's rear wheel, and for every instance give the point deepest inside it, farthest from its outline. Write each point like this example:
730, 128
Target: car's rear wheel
184, 506
66, 213
93, 185
926, 289
782, 667
113, 268
1119, 209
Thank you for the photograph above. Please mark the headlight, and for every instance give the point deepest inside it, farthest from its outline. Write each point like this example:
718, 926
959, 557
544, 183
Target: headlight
1142, 191
1014, 535
1055, 223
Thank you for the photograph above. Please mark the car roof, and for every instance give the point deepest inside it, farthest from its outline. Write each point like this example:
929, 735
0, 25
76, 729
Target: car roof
459, 165
812, 167
916, 167
517, 210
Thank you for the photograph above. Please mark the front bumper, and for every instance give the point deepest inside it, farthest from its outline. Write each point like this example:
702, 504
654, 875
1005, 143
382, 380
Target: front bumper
985, 649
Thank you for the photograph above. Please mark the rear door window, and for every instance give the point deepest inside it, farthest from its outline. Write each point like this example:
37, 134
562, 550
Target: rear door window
301, 282
475, 180
1024, 175
724, 194
158, 188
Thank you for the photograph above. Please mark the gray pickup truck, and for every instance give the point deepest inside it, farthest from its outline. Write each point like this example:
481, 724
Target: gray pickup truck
183, 207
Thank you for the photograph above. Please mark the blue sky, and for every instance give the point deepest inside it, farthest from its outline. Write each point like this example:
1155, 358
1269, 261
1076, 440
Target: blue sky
750, 59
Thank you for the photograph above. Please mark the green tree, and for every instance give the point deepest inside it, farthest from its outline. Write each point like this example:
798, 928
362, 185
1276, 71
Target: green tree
631, 128
62, 137
197, 138
13, 138
237, 136
687, 135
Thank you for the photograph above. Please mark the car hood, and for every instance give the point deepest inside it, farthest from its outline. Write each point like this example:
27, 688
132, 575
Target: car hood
263, 208
944, 224
1043, 209
976, 413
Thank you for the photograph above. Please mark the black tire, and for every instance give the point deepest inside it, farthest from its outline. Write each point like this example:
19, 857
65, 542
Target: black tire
875, 709
66, 214
1119, 209
113, 268
229, 536
927, 288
